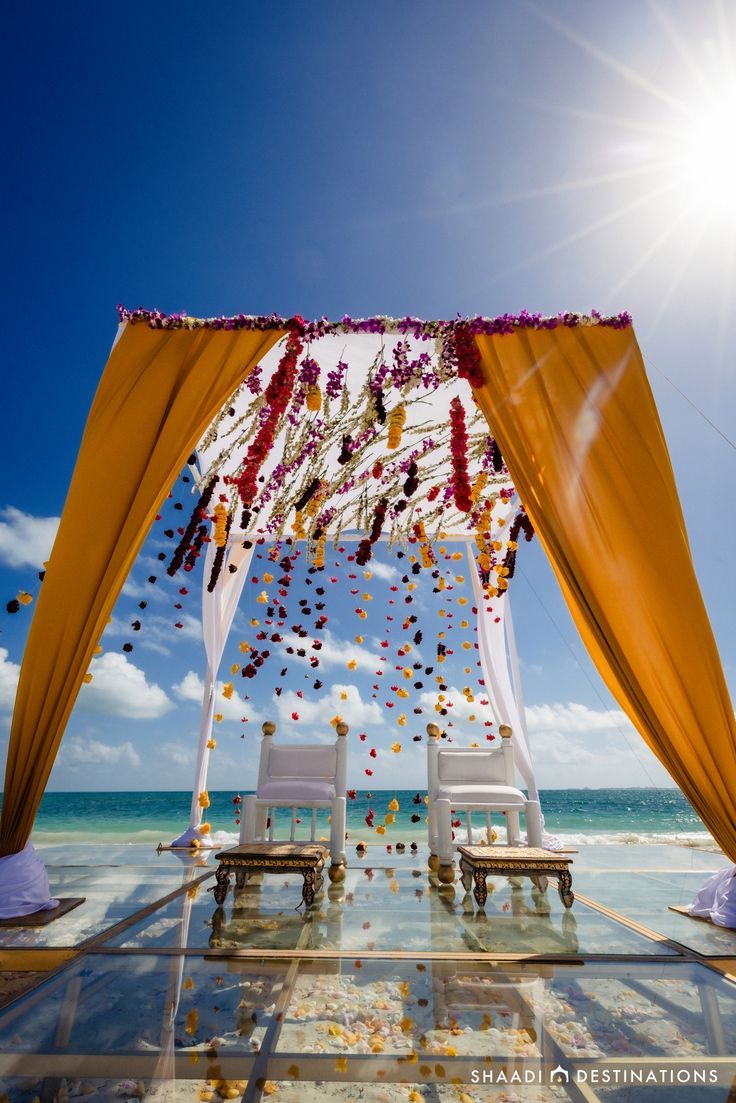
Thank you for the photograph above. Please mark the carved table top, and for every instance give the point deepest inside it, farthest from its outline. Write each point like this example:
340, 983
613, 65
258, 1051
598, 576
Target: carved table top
278, 855
514, 857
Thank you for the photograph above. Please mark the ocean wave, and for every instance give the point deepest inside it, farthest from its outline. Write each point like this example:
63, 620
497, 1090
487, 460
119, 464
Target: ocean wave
231, 838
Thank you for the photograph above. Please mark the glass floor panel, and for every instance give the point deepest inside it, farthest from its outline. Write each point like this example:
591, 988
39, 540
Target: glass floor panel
647, 896
338, 1025
386, 910
143, 1007
111, 894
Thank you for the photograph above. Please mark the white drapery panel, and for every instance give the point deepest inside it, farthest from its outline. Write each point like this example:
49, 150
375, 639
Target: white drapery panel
218, 612
496, 646
492, 653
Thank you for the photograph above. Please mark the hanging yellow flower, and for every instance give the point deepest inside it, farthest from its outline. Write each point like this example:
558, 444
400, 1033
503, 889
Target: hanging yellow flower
479, 485
24, 598
267, 578
218, 717
220, 533
352, 664
319, 552
298, 527
227, 690
315, 502
211, 744
393, 805
204, 799
87, 678
262, 598
204, 828
314, 398
396, 422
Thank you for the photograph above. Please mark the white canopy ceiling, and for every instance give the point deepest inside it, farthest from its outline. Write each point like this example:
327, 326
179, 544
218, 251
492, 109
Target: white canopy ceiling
351, 371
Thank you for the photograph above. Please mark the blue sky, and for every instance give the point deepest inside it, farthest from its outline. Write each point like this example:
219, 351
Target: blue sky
423, 158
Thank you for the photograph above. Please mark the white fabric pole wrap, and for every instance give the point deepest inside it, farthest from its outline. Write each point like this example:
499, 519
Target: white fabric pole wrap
717, 899
496, 644
24, 884
218, 612
492, 651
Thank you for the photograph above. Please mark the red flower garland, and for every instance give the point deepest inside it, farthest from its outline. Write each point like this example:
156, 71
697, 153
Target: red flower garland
458, 448
468, 356
278, 394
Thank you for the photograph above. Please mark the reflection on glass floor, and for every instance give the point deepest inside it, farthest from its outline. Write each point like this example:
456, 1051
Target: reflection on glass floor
411, 993
387, 910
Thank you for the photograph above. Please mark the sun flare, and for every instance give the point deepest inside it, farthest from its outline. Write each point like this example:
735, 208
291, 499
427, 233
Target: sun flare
704, 156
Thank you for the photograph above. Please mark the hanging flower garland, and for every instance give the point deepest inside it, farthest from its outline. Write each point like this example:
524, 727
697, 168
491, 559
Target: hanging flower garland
458, 448
278, 393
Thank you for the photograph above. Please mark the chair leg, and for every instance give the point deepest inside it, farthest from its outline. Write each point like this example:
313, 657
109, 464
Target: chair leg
337, 832
248, 825
533, 823
513, 830
261, 822
443, 812
432, 827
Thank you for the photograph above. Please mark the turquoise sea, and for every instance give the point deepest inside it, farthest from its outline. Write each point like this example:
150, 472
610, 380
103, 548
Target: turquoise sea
577, 815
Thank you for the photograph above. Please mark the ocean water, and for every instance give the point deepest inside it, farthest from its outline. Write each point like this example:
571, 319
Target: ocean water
577, 816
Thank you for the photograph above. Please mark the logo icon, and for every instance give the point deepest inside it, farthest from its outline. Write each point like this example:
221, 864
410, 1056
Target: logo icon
559, 1076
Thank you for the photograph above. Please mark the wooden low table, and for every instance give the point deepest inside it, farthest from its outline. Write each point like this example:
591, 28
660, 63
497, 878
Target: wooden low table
479, 862
305, 858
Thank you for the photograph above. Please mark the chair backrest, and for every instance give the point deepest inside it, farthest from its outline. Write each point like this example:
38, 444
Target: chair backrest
461, 766
299, 761
468, 765
302, 762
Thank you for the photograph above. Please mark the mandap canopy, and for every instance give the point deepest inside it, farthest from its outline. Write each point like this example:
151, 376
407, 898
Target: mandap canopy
393, 430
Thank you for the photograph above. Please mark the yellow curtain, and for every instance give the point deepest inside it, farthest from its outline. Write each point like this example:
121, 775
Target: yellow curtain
159, 392
577, 425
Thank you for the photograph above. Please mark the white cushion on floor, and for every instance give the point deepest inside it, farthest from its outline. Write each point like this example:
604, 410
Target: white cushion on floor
501, 796
296, 789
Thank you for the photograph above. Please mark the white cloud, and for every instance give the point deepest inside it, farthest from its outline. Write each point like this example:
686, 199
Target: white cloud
575, 719
334, 652
459, 708
156, 631
191, 688
178, 754
83, 751
384, 571
354, 710
9, 673
25, 540
119, 688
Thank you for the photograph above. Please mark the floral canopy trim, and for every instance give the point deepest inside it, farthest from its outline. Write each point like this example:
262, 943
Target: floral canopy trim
418, 327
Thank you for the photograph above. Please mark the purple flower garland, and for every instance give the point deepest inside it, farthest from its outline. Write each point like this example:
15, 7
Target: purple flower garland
416, 327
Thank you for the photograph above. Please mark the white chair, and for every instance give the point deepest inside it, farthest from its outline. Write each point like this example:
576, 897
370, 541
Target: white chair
299, 776
474, 779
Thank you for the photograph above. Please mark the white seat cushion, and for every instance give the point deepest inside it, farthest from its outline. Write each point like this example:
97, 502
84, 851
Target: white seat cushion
500, 796
296, 789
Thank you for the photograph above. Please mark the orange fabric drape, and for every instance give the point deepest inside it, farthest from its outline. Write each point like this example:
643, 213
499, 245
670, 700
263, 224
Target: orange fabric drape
576, 422
159, 392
